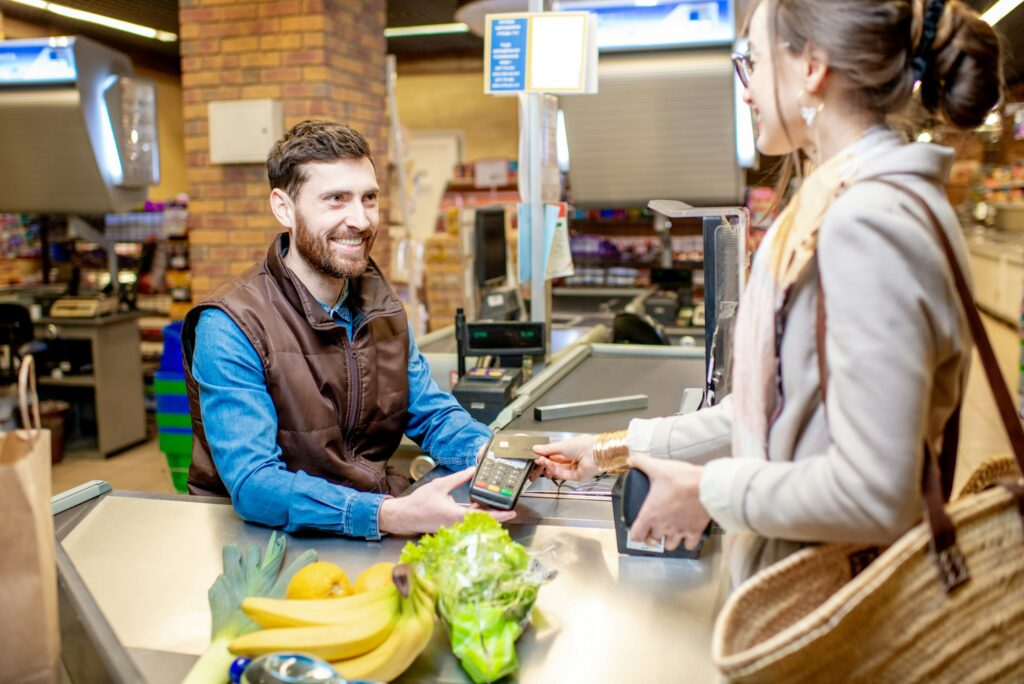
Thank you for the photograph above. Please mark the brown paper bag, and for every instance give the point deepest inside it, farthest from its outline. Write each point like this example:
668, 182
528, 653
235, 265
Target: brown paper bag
30, 640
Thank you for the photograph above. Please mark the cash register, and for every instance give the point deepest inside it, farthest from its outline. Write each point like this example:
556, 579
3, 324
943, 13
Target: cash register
485, 391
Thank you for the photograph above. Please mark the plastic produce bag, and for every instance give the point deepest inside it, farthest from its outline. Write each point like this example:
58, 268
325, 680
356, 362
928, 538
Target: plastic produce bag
486, 585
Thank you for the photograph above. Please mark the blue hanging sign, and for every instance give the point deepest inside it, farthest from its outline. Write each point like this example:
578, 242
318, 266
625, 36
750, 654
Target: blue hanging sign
506, 55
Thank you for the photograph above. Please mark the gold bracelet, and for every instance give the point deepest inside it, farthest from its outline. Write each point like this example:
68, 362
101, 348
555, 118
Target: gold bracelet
611, 452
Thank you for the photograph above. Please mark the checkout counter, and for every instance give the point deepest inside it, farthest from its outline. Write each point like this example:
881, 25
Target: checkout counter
135, 570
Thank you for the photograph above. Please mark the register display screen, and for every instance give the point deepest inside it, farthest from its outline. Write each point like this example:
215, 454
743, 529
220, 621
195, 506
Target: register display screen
519, 339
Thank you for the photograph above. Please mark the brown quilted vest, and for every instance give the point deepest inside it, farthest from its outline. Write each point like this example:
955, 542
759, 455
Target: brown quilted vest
341, 406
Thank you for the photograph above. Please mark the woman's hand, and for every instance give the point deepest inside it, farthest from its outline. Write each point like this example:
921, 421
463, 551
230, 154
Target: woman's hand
672, 509
570, 459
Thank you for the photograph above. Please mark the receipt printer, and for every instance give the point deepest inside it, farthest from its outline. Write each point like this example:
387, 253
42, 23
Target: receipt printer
628, 496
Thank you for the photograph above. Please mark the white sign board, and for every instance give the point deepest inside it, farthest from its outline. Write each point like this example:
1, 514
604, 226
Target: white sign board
551, 52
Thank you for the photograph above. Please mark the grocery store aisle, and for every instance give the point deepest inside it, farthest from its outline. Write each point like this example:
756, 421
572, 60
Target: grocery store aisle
144, 468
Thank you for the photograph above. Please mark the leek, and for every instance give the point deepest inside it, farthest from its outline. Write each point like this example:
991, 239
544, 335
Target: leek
244, 575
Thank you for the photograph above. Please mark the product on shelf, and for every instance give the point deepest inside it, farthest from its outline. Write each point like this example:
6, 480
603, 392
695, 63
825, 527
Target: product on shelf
443, 279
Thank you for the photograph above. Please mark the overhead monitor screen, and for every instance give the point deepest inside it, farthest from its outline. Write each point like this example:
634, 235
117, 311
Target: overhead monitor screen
657, 24
29, 62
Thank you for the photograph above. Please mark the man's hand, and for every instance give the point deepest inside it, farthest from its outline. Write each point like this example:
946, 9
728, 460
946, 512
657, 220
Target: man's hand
570, 459
672, 509
429, 507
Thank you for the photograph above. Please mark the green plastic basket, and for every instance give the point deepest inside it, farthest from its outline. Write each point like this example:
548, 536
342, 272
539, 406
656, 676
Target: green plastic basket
171, 443
178, 461
173, 420
169, 387
179, 478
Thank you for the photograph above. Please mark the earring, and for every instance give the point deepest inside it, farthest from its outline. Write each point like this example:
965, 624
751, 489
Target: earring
809, 112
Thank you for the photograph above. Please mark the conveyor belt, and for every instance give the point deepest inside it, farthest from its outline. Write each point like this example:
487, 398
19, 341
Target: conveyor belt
599, 376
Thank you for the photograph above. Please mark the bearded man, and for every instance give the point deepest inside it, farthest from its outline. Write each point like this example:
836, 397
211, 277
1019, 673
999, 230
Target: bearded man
302, 372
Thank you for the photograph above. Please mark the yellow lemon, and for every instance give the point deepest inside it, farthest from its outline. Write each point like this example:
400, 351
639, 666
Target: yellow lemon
377, 575
318, 581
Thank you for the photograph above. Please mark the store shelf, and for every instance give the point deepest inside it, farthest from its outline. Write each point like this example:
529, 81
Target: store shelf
461, 186
1009, 185
613, 262
70, 381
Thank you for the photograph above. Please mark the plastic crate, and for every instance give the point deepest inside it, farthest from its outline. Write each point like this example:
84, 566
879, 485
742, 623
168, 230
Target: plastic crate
175, 441
171, 359
177, 448
174, 420
172, 403
168, 382
178, 460
179, 478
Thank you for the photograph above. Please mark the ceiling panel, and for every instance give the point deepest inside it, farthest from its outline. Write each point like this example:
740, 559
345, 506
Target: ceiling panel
142, 51
158, 14
423, 12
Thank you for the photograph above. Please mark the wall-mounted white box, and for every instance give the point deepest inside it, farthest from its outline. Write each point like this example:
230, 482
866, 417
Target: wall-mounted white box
243, 131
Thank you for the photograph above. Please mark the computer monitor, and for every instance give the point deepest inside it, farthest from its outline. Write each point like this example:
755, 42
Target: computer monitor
489, 243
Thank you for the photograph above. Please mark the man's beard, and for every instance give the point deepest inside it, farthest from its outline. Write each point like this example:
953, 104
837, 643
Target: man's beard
316, 251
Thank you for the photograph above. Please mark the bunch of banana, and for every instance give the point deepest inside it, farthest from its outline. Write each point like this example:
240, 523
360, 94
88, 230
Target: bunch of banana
373, 635
408, 639
271, 613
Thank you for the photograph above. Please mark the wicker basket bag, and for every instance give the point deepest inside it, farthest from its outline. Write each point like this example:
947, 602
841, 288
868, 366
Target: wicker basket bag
945, 603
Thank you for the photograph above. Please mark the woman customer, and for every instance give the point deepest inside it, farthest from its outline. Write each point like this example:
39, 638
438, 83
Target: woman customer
769, 463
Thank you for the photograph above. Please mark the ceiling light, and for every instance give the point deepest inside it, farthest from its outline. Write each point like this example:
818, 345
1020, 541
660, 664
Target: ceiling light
425, 30
101, 20
999, 10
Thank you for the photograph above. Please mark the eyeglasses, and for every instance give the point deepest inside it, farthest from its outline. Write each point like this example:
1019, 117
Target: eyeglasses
744, 63
744, 67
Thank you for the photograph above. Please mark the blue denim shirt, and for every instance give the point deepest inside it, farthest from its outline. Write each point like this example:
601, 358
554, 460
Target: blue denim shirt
241, 429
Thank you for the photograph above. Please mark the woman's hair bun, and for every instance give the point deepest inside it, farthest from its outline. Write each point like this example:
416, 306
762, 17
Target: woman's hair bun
964, 80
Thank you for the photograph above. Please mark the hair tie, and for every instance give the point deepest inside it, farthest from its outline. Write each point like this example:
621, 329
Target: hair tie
922, 54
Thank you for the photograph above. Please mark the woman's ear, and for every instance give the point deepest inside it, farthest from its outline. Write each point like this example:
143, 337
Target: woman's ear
815, 69
283, 208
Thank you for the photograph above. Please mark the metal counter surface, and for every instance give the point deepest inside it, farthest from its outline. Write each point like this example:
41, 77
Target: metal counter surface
148, 561
662, 379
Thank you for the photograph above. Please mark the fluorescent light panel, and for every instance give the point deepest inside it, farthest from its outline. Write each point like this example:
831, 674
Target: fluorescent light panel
100, 20
426, 30
999, 10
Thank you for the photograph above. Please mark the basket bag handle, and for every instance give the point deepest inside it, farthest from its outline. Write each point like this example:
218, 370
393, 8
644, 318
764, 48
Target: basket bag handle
27, 397
937, 483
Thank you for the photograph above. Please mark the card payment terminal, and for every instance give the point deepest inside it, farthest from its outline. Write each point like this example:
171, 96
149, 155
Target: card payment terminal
504, 469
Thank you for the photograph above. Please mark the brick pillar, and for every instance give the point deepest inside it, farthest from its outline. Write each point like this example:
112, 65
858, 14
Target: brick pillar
324, 59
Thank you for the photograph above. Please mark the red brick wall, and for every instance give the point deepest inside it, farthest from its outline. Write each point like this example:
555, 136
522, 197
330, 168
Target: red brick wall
322, 58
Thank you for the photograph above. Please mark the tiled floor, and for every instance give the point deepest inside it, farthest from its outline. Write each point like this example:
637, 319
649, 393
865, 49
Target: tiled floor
144, 468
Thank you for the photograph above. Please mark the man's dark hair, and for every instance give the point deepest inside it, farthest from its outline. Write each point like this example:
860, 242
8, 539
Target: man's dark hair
311, 141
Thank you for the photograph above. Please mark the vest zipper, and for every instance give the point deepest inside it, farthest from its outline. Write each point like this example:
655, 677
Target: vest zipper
353, 409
